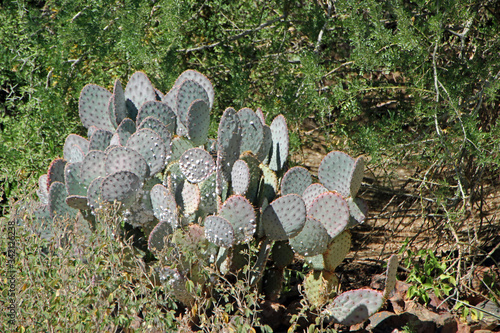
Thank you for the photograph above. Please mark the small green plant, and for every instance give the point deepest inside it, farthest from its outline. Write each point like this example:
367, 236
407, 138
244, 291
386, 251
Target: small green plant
465, 309
428, 274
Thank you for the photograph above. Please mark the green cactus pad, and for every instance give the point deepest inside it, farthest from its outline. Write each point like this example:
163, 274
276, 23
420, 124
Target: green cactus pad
279, 149
285, 217
119, 111
56, 171
57, 202
198, 122
93, 107
43, 189
296, 180
121, 186
340, 172
157, 126
354, 306
311, 193
139, 90
312, 240
269, 185
157, 239
94, 196
228, 142
72, 180
219, 231
319, 287
100, 140
251, 131
333, 212
240, 177
179, 146
208, 194
125, 130
255, 173
282, 254
240, 213
70, 152
316, 262
196, 164
149, 144
126, 159
390, 280
164, 205
190, 198
358, 210
175, 179
77, 202
201, 80
92, 166
267, 143
160, 111
337, 250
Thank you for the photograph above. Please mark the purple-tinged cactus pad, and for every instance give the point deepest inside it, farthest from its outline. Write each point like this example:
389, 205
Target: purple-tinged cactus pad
196, 164
240, 177
285, 217
157, 126
43, 189
228, 141
201, 80
333, 212
77, 202
72, 180
337, 250
312, 192
119, 111
125, 158
312, 240
125, 130
91, 130
160, 111
93, 107
158, 237
336, 173
70, 153
100, 140
56, 171
357, 175
149, 144
240, 213
121, 186
188, 92
94, 196
92, 166
296, 180
190, 198
279, 152
198, 122
358, 210
354, 306
164, 205
251, 131
390, 281
170, 98
57, 202
261, 116
219, 231
139, 90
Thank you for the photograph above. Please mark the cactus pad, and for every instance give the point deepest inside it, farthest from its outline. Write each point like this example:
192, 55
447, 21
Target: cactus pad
163, 202
240, 213
354, 306
251, 131
139, 90
124, 158
333, 212
358, 210
198, 122
71, 145
312, 192
390, 281
160, 111
163, 131
219, 231
57, 202
337, 250
295, 180
240, 177
279, 152
149, 144
196, 164
93, 107
312, 240
121, 186
201, 80
100, 139
72, 179
56, 171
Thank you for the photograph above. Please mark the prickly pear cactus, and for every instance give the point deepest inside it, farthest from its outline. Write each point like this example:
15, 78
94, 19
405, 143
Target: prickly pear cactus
149, 155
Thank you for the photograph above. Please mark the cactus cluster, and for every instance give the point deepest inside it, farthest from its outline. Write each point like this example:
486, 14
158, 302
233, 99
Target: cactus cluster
150, 154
